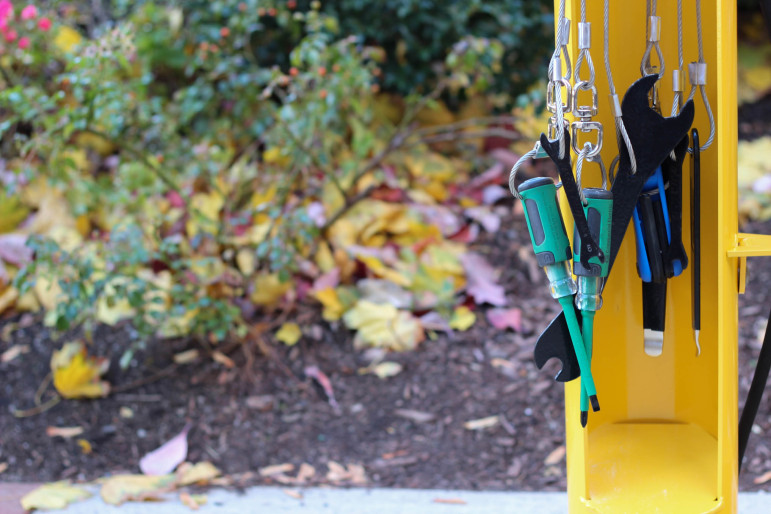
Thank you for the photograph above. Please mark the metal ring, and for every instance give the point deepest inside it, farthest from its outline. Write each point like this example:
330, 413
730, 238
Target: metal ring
585, 111
553, 92
586, 127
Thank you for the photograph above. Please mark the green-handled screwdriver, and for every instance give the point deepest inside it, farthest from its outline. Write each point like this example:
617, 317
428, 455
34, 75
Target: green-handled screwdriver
598, 210
553, 253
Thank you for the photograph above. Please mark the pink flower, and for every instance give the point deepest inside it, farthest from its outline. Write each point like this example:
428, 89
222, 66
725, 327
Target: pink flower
44, 24
29, 12
24, 43
6, 9
10, 36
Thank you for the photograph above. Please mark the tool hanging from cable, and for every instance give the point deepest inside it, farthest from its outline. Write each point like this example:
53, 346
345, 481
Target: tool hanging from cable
598, 206
658, 213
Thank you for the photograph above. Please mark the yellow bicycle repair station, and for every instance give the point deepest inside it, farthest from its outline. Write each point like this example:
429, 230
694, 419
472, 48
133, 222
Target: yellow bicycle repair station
666, 437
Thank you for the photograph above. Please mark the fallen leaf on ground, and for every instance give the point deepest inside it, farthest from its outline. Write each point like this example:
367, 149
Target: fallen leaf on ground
383, 325
125, 413
386, 369
166, 457
415, 415
223, 359
333, 307
482, 280
305, 473
276, 469
319, 376
85, 447
3, 467
462, 318
297, 495
762, 479
13, 352
14, 249
121, 488
353, 474
482, 423
555, 456
434, 321
200, 473
384, 292
65, 432
186, 357
262, 402
289, 334
505, 318
450, 501
188, 501
76, 374
53, 496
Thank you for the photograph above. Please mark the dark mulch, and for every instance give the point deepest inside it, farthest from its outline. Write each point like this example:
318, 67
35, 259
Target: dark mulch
453, 379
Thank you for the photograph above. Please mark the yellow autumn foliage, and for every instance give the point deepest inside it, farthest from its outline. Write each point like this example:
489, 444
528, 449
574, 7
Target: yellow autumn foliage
76, 374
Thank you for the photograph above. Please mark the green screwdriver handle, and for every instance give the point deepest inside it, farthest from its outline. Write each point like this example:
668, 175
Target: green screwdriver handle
598, 210
544, 221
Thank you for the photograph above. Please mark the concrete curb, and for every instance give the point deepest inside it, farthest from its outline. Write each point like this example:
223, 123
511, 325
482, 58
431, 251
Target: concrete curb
271, 500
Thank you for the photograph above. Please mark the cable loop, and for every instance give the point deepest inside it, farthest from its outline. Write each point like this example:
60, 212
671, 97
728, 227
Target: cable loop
515, 169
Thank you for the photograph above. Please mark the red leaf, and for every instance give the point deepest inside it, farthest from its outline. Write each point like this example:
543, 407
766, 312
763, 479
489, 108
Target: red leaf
482, 280
505, 318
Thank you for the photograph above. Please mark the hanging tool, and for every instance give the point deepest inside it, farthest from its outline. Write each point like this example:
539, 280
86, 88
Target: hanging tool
696, 235
598, 206
652, 138
552, 251
658, 236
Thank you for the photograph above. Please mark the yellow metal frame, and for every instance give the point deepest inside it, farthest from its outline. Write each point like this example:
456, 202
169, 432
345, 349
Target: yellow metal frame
666, 437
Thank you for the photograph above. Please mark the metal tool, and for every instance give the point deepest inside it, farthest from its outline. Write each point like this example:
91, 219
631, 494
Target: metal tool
652, 138
696, 235
591, 280
553, 253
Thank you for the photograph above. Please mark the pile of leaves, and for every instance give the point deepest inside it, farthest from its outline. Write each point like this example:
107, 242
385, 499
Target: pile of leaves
157, 174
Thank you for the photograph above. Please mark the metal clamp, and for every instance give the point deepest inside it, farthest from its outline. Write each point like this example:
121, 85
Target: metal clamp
586, 127
551, 129
585, 111
553, 91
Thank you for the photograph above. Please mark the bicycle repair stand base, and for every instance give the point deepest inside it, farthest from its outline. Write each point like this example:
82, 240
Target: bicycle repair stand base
666, 437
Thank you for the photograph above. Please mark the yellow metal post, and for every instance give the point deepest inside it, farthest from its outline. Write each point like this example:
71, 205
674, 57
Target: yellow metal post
666, 437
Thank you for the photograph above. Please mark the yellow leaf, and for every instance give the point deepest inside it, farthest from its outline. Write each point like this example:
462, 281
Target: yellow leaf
177, 326
289, 334
436, 114
262, 197
12, 212
268, 289
204, 215
245, 261
331, 197
8, 298
387, 369
120, 488
85, 446
254, 235
324, 258
381, 270
274, 155
76, 375
437, 190
67, 38
383, 326
432, 165
333, 308
462, 318
199, 473
95, 142
48, 292
111, 306
53, 496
